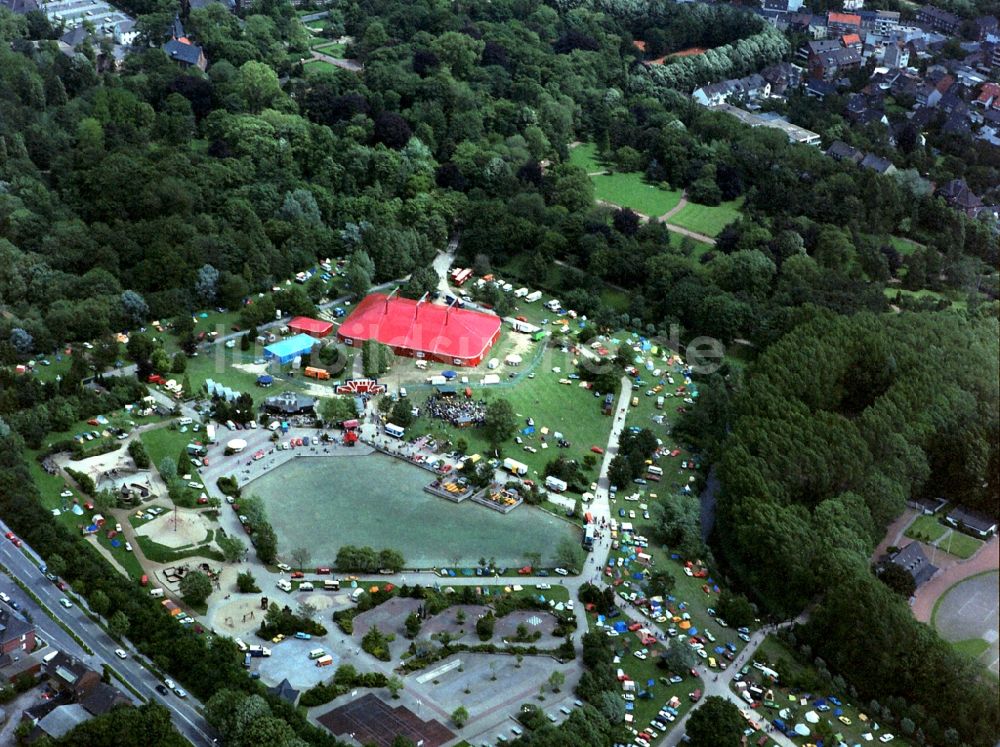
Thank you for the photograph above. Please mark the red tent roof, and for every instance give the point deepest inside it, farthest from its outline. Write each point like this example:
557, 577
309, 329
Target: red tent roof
426, 327
314, 327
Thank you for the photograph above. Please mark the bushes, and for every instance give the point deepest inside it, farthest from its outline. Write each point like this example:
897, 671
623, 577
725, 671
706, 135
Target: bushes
368, 560
344, 680
85, 482
228, 486
137, 450
376, 643
283, 620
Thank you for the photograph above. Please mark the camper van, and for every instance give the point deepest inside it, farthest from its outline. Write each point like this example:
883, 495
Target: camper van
156, 593
553, 305
284, 584
555, 484
306, 586
331, 584
356, 594
324, 661
533, 296
394, 430
317, 653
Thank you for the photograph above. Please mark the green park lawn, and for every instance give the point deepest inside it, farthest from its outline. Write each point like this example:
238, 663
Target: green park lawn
319, 66
573, 411
958, 544
623, 189
973, 647
926, 528
957, 304
332, 49
904, 246
706, 219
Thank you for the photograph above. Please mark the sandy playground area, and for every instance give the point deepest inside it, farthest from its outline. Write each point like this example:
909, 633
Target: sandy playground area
176, 529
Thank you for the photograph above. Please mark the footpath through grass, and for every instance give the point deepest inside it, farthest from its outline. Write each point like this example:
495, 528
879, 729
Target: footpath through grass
628, 189
926, 528
706, 219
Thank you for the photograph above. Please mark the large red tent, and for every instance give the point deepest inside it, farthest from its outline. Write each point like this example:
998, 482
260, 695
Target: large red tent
459, 337
312, 327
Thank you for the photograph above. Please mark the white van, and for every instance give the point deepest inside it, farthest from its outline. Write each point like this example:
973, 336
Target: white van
306, 586
156, 593
184, 421
50, 656
284, 584
317, 653
356, 594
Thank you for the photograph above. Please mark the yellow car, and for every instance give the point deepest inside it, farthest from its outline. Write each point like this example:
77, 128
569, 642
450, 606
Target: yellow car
278, 638
844, 720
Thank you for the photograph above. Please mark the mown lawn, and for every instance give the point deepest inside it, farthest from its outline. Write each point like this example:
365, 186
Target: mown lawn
569, 409
926, 528
960, 545
973, 647
623, 189
318, 66
706, 219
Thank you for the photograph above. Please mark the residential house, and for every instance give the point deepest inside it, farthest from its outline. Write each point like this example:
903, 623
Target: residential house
972, 522
989, 96
59, 722
843, 23
19, 6
841, 151
938, 19
819, 89
15, 634
783, 77
897, 56
818, 47
831, 65
918, 48
912, 559
806, 23
182, 50
958, 196
877, 164
932, 91
752, 87
985, 26
775, 6
886, 21
851, 40
16, 664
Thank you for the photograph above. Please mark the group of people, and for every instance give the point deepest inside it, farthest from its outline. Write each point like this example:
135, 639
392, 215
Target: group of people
460, 412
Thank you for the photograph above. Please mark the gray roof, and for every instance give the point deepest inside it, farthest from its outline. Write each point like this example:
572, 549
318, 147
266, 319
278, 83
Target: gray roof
843, 152
19, 6
189, 54
912, 559
290, 403
972, 519
285, 691
876, 163
12, 627
63, 720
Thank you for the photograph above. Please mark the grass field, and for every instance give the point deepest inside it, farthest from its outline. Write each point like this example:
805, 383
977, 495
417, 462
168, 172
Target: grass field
926, 528
623, 189
158, 553
958, 544
905, 247
709, 220
319, 66
973, 648
574, 412
332, 49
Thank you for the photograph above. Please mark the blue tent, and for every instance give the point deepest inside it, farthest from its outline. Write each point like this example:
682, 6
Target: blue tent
692, 631
449, 374
265, 380
620, 626
720, 650
637, 576
285, 351
529, 430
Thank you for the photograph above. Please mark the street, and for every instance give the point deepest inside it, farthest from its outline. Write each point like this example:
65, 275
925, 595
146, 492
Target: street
183, 713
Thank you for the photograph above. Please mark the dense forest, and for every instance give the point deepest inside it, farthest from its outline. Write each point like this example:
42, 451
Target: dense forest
150, 192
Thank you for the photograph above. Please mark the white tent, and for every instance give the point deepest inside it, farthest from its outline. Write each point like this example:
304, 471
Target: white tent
513, 360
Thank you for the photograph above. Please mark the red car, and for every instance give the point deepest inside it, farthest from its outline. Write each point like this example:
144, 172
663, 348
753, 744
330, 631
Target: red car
634, 627
298, 574
322, 570
61, 585
202, 500
9, 535
597, 449
16, 541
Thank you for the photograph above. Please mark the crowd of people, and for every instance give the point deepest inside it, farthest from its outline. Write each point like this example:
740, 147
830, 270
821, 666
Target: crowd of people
457, 411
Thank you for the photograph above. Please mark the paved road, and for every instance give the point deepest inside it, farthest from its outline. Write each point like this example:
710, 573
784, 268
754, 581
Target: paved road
186, 718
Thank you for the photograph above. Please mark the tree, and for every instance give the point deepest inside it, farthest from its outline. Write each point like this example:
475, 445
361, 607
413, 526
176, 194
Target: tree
716, 723
898, 579
677, 658
195, 587
412, 625
612, 707
56, 565
168, 469
359, 273
556, 680
569, 555
258, 83
118, 624
402, 413
500, 422
661, 583
485, 625
459, 716
233, 548
265, 542
392, 130
100, 603
22, 341
336, 409
395, 686
301, 556
735, 609
134, 307
376, 358
246, 583
207, 284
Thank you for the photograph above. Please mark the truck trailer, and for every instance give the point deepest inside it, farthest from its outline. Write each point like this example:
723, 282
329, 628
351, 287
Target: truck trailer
515, 467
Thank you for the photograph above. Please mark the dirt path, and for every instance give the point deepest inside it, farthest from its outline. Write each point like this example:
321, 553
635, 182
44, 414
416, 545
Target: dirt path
987, 559
681, 204
353, 66
663, 219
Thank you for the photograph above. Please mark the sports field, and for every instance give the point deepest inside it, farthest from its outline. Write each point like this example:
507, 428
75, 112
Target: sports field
968, 614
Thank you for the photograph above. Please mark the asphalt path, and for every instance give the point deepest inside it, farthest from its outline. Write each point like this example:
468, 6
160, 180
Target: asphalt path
183, 712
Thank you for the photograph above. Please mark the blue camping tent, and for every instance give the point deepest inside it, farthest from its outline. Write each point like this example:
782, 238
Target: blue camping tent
285, 351
265, 380
621, 626
449, 374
